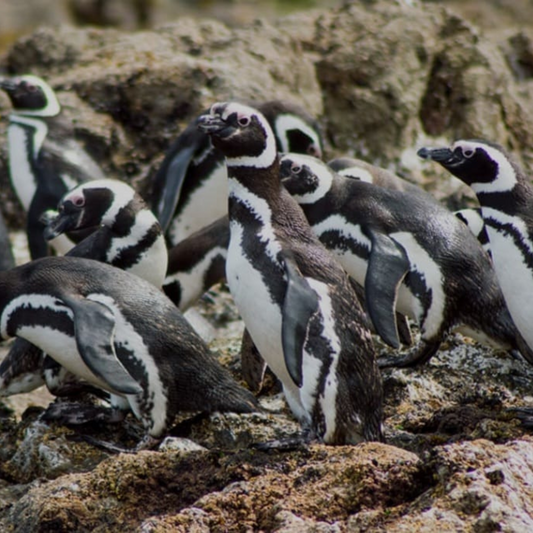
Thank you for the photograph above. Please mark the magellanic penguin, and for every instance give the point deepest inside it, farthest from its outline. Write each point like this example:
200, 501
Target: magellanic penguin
126, 234
506, 198
410, 254
45, 160
190, 188
197, 263
119, 333
296, 301
361, 170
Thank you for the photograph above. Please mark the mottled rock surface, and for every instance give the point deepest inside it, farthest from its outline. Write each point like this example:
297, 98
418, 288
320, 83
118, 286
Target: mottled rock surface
383, 77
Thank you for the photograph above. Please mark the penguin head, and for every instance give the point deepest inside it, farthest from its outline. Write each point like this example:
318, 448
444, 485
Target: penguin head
306, 178
242, 133
481, 164
295, 130
31, 95
91, 205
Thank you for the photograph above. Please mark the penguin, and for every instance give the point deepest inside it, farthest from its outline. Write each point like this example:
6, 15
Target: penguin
126, 234
361, 170
45, 160
190, 187
120, 334
411, 255
473, 219
505, 195
197, 263
296, 301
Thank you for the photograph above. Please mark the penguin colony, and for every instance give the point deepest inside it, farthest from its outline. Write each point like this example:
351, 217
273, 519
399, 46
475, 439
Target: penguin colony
331, 253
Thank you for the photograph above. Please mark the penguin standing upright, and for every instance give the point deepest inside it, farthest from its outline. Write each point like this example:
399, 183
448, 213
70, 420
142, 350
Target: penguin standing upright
121, 334
45, 161
506, 198
410, 254
190, 188
296, 301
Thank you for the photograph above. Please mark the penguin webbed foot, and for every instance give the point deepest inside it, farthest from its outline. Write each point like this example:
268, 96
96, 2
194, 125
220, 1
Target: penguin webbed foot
417, 357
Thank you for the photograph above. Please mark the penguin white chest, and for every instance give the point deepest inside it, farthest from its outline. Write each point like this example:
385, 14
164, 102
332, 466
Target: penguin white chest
20, 169
514, 275
206, 204
261, 315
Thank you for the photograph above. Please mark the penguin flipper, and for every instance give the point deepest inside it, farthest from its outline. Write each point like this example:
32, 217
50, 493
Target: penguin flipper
387, 266
299, 305
94, 326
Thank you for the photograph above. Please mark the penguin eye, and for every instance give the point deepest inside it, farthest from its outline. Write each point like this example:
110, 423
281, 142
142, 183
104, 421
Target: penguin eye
313, 150
29, 87
296, 169
243, 121
78, 201
468, 152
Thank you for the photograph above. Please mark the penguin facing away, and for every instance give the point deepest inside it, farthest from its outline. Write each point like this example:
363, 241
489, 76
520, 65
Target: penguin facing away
45, 160
411, 255
358, 169
120, 334
505, 195
190, 188
296, 301
126, 234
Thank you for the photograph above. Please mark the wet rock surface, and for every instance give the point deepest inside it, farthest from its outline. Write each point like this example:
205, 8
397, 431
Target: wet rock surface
383, 77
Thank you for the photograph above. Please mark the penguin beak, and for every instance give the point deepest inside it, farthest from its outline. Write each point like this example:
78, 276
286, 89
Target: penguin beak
444, 156
7, 84
58, 224
211, 124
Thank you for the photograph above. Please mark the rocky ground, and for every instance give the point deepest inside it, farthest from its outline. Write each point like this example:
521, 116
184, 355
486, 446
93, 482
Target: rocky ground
384, 78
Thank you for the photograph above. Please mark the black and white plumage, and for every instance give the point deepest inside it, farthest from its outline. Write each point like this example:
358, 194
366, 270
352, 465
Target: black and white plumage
296, 301
120, 334
410, 254
506, 198
190, 188
197, 263
125, 234
361, 170
473, 218
45, 160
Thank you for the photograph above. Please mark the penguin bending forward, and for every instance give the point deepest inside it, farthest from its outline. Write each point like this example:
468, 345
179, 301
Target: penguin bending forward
410, 254
45, 160
120, 334
296, 301
126, 234
190, 188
